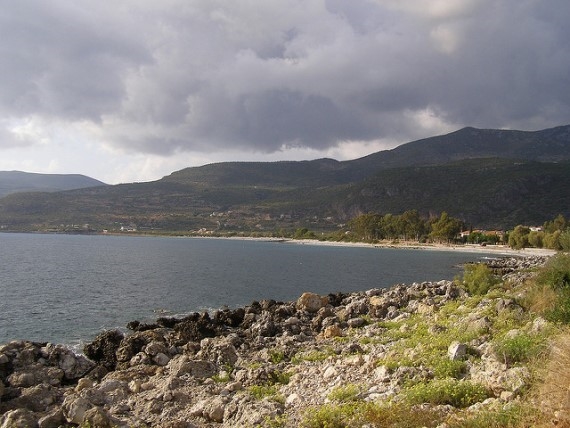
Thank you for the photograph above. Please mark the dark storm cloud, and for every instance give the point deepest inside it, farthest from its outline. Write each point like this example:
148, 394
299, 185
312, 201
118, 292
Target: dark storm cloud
160, 77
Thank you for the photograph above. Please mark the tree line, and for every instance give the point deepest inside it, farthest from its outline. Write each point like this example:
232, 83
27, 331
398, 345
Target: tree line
409, 226
554, 234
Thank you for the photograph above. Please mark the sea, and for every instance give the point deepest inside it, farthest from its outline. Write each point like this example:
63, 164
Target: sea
68, 288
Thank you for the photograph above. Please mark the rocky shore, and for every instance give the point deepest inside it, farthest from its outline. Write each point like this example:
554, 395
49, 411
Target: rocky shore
265, 364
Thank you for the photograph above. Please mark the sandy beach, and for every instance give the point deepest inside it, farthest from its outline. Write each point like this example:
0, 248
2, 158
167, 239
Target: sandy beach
500, 250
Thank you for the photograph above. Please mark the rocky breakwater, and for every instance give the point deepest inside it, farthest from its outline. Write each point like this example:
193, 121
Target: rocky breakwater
263, 364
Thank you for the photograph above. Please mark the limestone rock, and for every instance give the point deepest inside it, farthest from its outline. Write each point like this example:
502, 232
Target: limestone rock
54, 419
332, 331
311, 302
19, 418
457, 351
356, 322
222, 352
197, 368
98, 417
74, 409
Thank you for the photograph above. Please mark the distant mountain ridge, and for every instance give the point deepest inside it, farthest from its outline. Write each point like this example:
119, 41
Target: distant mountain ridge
18, 181
549, 145
487, 178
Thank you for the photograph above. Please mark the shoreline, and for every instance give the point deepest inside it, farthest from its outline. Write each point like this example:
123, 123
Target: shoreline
500, 250
278, 364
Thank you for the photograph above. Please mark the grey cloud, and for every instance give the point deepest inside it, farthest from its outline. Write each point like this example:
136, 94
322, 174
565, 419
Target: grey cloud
64, 60
213, 75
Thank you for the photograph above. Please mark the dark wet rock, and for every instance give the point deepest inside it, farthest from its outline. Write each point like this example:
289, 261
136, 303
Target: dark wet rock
229, 317
103, 349
195, 329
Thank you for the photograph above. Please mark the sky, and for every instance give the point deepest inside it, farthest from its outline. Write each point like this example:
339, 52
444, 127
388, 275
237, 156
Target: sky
133, 90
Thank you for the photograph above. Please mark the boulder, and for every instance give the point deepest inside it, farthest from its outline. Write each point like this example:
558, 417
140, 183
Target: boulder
457, 351
74, 409
54, 419
195, 327
103, 349
311, 302
74, 366
98, 417
214, 410
19, 418
221, 352
332, 331
133, 344
182, 365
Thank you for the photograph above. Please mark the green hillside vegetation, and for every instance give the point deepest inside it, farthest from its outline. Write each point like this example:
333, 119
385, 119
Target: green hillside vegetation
485, 178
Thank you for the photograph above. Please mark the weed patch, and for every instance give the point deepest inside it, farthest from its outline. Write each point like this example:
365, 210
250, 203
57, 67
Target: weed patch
520, 348
454, 392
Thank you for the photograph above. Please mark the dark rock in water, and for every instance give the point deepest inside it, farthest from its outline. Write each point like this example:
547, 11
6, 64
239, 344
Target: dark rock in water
229, 318
267, 304
194, 331
139, 326
253, 308
133, 325
103, 349
167, 322
336, 298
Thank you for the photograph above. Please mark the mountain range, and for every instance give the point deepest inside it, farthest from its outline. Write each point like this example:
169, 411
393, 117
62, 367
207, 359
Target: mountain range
487, 178
18, 181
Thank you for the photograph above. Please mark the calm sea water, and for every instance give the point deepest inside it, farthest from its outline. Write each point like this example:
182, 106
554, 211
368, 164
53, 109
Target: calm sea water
67, 288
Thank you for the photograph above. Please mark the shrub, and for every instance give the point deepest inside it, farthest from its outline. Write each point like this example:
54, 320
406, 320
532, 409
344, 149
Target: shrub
553, 282
278, 421
280, 377
313, 356
454, 392
344, 394
520, 348
402, 415
564, 240
276, 356
446, 368
556, 272
266, 391
358, 414
331, 416
478, 279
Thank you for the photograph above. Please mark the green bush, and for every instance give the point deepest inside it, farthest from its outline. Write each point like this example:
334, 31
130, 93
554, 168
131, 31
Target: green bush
519, 349
556, 272
332, 416
454, 392
276, 357
478, 279
555, 275
380, 414
345, 393
446, 368
266, 391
